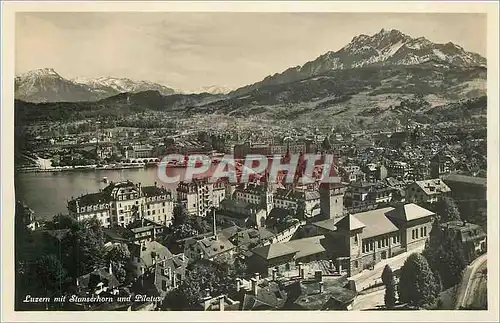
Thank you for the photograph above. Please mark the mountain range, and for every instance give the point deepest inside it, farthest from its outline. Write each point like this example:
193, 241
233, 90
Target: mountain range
387, 47
46, 85
376, 78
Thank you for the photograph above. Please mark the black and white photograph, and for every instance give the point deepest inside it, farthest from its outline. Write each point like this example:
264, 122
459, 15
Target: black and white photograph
216, 161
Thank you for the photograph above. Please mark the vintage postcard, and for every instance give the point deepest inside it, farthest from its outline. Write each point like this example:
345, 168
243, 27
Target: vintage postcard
239, 161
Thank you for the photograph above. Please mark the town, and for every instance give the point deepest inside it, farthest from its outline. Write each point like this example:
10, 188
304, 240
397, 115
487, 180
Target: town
410, 198
252, 161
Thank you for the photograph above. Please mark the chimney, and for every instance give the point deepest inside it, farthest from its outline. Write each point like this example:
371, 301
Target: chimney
206, 302
274, 272
257, 277
214, 228
318, 275
321, 287
110, 269
331, 263
221, 303
302, 273
238, 284
254, 286
299, 265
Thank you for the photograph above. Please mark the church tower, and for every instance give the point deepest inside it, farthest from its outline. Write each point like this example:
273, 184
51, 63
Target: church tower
332, 200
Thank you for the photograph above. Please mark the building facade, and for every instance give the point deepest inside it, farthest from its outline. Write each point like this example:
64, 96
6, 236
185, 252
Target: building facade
427, 191
359, 241
200, 196
121, 203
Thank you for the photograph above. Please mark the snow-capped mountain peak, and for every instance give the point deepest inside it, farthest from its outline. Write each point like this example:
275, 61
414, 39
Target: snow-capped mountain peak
46, 85
40, 72
214, 89
386, 47
122, 85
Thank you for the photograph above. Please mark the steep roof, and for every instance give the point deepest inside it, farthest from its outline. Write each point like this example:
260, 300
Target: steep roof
350, 223
148, 250
213, 246
154, 191
274, 250
100, 274
409, 212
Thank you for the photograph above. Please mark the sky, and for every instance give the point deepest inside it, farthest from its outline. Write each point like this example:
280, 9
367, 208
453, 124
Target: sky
188, 51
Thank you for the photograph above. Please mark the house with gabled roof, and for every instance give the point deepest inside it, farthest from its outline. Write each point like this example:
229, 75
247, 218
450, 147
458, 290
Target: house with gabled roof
427, 191
358, 241
276, 255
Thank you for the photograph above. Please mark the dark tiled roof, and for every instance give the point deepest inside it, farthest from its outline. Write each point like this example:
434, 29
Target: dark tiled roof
89, 199
148, 250
269, 296
305, 295
98, 275
149, 191
480, 181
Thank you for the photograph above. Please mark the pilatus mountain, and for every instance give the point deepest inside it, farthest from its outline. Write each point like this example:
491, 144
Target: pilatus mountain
387, 47
46, 85
376, 79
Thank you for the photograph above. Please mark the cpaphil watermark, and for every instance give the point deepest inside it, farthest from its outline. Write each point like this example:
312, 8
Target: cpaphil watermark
309, 168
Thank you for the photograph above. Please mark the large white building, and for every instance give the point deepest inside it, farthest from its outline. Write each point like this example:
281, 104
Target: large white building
121, 203
200, 196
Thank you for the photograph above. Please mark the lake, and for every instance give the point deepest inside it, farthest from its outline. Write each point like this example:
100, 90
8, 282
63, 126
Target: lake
47, 193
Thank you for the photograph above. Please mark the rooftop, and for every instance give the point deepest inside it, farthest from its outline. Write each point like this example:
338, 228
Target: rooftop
376, 222
433, 186
307, 246
350, 223
480, 181
274, 250
149, 191
409, 212
328, 224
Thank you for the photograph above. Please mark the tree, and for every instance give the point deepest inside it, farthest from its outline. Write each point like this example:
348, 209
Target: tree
61, 221
180, 215
390, 295
119, 256
326, 143
239, 268
417, 285
445, 256
200, 276
387, 275
390, 287
447, 210
49, 274
84, 248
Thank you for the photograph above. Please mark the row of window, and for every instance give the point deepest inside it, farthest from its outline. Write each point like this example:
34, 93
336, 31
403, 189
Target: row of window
382, 243
415, 232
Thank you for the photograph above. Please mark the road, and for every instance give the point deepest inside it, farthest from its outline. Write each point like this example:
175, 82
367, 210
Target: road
472, 291
369, 301
370, 277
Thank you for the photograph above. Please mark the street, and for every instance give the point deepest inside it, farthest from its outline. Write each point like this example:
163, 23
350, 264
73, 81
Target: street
369, 301
370, 277
473, 289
